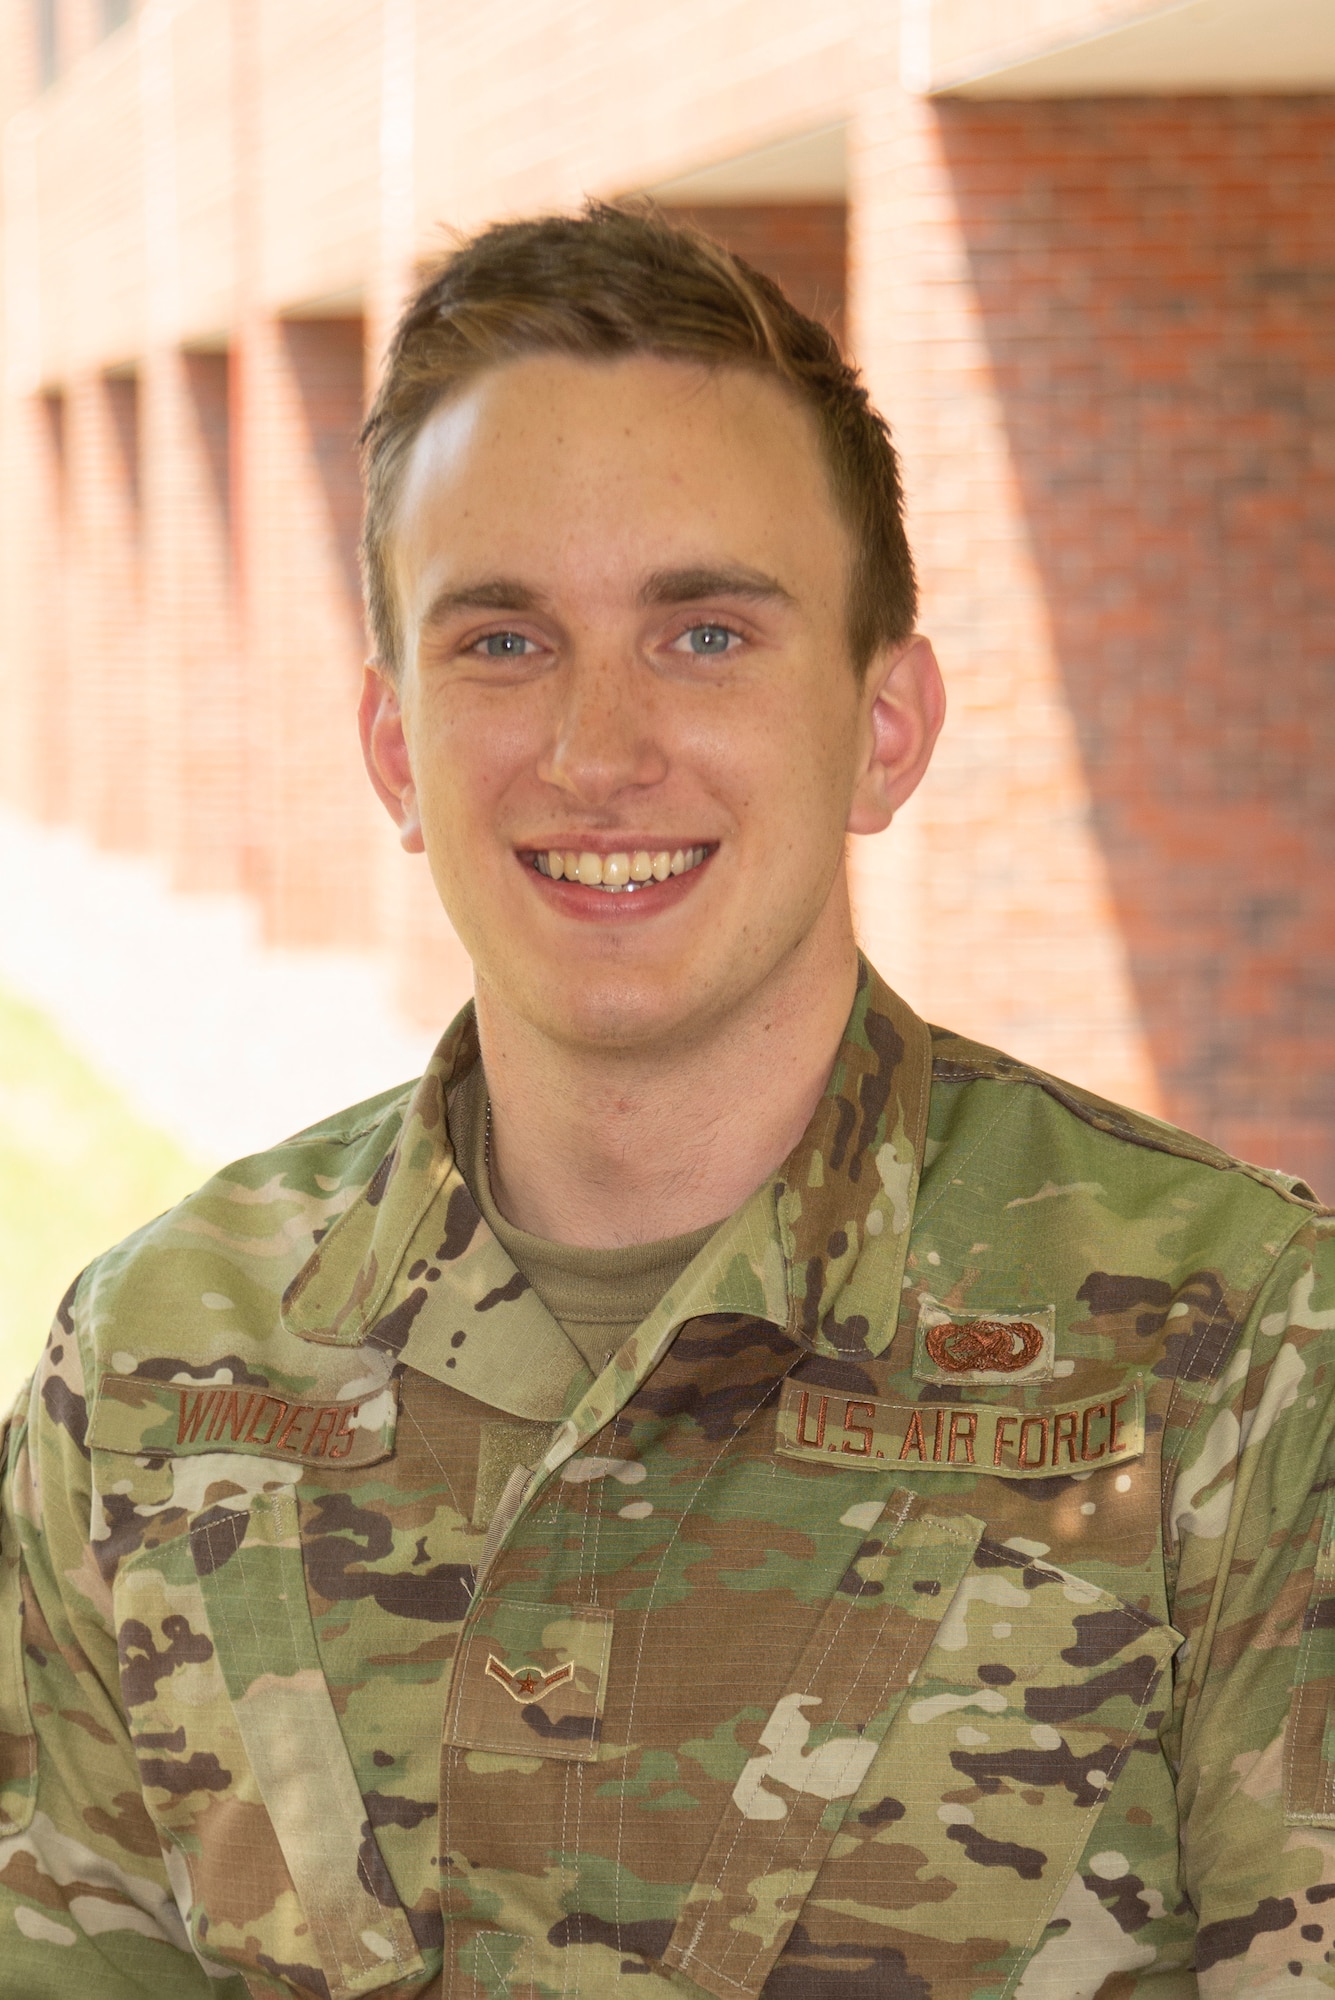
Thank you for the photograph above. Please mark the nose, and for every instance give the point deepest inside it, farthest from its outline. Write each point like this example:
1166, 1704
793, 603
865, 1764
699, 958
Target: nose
604, 738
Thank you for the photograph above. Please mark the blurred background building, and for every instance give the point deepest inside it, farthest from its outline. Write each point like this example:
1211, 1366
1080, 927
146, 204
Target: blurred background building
1084, 251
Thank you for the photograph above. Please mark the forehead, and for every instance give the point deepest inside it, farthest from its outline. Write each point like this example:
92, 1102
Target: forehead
644, 460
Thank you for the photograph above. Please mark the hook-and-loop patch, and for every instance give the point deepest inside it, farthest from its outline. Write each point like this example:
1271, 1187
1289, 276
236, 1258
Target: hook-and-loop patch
1084, 1434
983, 1347
147, 1417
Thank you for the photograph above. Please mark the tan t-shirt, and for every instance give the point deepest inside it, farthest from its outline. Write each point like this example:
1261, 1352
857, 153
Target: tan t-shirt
597, 1297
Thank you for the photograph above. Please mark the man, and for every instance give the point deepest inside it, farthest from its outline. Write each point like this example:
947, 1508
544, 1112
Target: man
720, 1488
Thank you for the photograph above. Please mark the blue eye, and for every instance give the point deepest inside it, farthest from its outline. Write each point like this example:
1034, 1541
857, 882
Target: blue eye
708, 639
504, 645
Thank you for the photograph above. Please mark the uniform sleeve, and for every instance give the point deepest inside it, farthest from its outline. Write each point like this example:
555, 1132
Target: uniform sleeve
86, 1904
1251, 1502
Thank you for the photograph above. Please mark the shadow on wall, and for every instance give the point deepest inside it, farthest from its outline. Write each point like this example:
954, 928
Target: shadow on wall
325, 359
1155, 279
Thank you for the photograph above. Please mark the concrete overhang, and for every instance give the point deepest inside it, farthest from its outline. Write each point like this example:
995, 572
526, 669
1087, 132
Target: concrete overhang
1062, 48
347, 303
811, 166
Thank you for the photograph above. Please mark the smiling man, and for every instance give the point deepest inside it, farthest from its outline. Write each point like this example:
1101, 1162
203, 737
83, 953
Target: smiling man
719, 1488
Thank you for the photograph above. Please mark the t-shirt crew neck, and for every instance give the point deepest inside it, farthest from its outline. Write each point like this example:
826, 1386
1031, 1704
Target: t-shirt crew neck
598, 1297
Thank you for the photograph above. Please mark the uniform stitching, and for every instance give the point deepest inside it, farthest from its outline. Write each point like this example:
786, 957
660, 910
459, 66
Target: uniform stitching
684, 1510
220, 1608
959, 1535
1078, 1844
1302, 1690
742, 1823
405, 1410
817, 1832
923, 1209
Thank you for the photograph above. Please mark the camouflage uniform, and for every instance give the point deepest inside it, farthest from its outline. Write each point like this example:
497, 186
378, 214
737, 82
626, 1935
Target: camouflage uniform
933, 1597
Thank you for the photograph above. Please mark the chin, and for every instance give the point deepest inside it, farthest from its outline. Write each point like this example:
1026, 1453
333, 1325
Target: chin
604, 1009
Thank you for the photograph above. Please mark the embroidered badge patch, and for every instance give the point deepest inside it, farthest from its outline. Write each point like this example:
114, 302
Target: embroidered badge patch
178, 1420
984, 1346
853, 1431
528, 1683
549, 1702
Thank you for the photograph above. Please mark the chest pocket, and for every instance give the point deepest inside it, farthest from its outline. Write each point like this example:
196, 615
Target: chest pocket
961, 1759
242, 1761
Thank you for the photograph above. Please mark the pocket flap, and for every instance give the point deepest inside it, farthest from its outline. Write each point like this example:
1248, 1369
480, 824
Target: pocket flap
816, 1748
530, 1680
975, 1750
243, 1762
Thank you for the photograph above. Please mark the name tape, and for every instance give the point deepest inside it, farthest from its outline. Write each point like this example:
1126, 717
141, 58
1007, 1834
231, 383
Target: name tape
175, 1420
1083, 1436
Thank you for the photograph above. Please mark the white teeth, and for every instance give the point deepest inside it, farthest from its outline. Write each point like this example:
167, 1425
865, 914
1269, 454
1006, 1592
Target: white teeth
620, 871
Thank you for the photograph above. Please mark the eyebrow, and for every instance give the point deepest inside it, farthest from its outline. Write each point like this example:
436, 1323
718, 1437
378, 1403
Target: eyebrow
689, 586
490, 593
663, 587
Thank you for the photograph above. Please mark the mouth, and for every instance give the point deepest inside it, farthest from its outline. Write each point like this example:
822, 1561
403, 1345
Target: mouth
624, 872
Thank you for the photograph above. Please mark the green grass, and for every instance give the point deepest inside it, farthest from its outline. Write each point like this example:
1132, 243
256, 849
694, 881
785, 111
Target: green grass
78, 1169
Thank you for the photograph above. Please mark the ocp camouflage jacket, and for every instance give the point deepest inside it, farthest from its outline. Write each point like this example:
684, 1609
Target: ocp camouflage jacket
933, 1597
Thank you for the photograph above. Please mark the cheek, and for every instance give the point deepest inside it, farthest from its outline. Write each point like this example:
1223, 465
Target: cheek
798, 765
466, 756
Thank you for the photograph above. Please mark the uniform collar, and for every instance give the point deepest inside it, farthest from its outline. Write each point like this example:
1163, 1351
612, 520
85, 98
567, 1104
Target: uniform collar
819, 1251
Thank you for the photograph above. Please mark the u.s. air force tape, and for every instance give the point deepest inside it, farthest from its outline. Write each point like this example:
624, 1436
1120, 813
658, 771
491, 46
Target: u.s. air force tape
1082, 1435
177, 1420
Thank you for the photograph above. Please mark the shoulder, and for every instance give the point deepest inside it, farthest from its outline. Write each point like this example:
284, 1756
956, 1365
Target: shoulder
1161, 1256
1137, 1208
1111, 1128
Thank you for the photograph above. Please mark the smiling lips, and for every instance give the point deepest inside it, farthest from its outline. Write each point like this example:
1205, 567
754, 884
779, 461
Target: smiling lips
620, 873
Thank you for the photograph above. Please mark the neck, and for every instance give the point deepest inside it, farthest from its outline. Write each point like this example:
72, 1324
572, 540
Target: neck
609, 1147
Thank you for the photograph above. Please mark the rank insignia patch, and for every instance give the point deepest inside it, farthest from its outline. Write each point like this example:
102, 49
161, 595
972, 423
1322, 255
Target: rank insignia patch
984, 1346
528, 1683
529, 1680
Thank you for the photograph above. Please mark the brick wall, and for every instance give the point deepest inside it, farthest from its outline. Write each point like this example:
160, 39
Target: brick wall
310, 811
1097, 329
802, 245
1153, 286
196, 776
107, 719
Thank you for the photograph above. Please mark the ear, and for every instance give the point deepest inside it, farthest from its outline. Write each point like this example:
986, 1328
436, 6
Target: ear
903, 707
385, 751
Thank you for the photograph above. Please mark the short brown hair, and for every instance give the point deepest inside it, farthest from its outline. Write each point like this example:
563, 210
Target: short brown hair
614, 281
